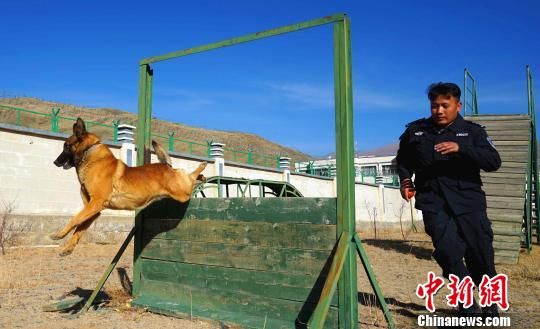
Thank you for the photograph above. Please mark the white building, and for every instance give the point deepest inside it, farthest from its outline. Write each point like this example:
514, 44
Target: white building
368, 168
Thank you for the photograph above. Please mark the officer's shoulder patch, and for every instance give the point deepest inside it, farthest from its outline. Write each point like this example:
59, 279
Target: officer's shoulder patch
419, 122
475, 124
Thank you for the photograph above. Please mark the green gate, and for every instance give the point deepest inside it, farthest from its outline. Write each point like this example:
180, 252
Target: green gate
260, 263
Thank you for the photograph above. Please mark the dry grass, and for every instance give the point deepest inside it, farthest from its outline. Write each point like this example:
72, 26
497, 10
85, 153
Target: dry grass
7, 227
401, 264
33, 277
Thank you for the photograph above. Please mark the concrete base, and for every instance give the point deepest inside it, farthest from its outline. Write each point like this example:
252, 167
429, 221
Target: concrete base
35, 230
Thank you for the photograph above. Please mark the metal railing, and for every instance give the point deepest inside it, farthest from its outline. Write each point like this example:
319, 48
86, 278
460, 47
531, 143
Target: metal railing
471, 92
61, 124
329, 170
310, 168
533, 185
57, 123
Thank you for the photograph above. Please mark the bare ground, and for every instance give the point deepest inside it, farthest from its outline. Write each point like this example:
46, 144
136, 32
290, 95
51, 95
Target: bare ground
33, 277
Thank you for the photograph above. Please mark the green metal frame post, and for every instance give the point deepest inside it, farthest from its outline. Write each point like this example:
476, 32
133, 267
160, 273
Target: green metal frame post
54, 119
346, 222
143, 156
171, 141
108, 272
115, 123
250, 156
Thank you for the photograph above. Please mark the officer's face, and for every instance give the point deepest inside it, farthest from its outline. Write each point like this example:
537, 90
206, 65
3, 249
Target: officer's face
444, 110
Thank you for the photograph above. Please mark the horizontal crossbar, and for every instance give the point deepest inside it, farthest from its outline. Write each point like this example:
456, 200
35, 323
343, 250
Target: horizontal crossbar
246, 38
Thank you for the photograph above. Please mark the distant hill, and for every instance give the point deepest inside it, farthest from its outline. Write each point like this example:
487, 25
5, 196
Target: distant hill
386, 150
233, 140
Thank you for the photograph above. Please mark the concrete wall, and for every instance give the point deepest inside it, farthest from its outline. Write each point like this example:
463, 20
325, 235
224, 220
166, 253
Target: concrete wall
45, 196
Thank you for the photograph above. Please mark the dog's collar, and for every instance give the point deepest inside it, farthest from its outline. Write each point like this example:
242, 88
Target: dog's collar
87, 151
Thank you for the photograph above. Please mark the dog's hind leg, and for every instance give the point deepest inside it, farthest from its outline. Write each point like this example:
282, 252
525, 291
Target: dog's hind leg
196, 174
162, 155
79, 231
90, 210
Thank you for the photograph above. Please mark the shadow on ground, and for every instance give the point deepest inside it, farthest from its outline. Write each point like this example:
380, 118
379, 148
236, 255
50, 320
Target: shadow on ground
73, 301
401, 246
411, 310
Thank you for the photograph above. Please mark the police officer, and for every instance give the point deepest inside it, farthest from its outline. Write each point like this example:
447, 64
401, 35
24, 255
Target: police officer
445, 154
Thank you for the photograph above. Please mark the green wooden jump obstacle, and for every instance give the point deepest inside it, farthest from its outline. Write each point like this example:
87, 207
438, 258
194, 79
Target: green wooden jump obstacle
284, 262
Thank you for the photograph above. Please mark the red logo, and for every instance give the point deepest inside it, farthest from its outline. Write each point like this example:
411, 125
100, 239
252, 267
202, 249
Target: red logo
491, 291
460, 292
494, 291
429, 289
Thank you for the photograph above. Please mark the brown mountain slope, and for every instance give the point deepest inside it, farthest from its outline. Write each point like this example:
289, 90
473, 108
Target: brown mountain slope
264, 151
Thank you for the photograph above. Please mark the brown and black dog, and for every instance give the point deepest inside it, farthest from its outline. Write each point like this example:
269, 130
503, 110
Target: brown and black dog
107, 182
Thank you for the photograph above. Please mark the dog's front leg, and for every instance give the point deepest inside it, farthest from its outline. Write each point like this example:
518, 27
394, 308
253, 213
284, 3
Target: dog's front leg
90, 210
74, 240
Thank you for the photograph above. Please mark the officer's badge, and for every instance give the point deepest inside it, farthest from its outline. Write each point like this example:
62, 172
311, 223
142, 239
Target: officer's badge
419, 133
491, 142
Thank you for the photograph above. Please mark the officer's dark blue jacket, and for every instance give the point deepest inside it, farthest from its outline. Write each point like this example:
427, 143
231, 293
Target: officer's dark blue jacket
451, 180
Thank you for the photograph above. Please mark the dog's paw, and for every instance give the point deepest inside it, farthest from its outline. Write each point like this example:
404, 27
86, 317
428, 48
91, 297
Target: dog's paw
55, 236
65, 252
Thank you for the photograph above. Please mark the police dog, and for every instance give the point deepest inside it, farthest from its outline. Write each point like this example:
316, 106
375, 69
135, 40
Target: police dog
107, 182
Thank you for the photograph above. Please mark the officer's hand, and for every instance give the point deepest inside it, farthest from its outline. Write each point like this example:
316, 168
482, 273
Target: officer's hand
407, 189
447, 147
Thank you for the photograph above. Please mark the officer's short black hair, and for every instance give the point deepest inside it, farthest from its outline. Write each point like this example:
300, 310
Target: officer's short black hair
443, 89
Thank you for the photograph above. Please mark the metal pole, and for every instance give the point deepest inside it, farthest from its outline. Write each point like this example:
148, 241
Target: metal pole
115, 130
54, 117
171, 141
347, 286
107, 273
143, 156
532, 113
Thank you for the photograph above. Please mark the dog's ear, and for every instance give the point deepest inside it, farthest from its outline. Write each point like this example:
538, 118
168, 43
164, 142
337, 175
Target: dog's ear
79, 128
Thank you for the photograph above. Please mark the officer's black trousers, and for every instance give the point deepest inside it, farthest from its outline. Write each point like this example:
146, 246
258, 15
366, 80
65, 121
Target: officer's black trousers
457, 237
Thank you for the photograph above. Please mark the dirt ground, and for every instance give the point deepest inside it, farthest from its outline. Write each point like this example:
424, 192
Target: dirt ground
33, 277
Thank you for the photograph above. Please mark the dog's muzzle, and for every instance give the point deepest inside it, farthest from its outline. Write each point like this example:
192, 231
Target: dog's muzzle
63, 161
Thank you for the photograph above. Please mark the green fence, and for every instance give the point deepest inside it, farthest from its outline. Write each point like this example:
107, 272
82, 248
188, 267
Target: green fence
54, 121
60, 124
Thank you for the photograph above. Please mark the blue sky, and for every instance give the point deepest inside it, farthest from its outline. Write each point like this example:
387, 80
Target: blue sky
87, 53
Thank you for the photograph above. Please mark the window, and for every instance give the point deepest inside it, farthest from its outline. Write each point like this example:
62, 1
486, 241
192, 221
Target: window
368, 170
389, 170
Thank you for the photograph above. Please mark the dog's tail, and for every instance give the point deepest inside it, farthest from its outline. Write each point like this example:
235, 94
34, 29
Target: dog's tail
162, 155
196, 174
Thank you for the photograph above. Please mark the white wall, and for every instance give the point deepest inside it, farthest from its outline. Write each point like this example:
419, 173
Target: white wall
30, 180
